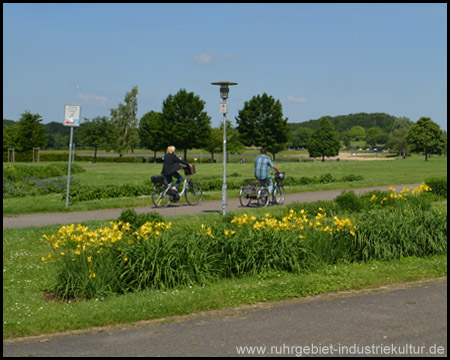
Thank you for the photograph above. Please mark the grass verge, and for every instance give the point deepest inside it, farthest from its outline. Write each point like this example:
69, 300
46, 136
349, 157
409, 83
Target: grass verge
28, 311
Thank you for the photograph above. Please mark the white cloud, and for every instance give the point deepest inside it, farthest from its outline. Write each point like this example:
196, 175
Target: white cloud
300, 100
93, 99
207, 59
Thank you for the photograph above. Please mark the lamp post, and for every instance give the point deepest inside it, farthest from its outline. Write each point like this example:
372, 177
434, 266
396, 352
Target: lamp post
223, 109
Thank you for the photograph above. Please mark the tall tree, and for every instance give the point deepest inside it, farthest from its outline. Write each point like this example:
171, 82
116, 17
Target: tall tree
426, 137
261, 123
125, 119
151, 132
96, 133
215, 142
30, 132
10, 137
324, 141
187, 126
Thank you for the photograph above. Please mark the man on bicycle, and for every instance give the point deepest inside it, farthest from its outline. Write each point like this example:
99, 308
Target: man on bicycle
262, 165
171, 166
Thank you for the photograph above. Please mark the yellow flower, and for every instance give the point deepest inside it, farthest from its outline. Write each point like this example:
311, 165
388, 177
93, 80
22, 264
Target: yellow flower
91, 275
374, 197
89, 259
229, 232
125, 259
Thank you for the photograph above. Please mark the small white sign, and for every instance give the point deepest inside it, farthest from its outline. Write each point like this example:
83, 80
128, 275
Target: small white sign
72, 115
223, 108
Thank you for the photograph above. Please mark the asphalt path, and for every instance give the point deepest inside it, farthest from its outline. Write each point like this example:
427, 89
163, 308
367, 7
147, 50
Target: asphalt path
396, 320
64, 218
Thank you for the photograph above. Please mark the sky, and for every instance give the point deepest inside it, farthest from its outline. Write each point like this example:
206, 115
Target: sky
316, 59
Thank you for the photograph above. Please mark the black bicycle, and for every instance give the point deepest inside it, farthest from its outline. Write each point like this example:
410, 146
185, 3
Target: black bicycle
253, 189
163, 194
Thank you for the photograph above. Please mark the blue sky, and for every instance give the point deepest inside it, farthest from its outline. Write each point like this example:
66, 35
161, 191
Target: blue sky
316, 59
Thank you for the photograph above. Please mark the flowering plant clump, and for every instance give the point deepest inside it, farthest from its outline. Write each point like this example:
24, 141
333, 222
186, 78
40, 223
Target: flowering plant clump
391, 196
297, 222
92, 261
154, 254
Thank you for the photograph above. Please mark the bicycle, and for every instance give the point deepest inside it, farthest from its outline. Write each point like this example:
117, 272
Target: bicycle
163, 194
253, 189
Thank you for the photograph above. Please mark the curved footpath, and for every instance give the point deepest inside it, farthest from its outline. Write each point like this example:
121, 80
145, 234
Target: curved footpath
44, 219
394, 320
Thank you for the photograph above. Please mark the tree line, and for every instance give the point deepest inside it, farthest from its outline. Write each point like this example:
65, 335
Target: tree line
184, 123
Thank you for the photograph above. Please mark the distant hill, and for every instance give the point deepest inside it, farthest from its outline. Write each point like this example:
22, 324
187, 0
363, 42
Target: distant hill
8, 123
51, 128
346, 122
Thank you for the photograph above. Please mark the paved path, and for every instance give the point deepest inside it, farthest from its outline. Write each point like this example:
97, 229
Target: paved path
400, 320
44, 219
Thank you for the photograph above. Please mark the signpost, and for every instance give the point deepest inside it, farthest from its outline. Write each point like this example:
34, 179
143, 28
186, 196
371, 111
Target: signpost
72, 117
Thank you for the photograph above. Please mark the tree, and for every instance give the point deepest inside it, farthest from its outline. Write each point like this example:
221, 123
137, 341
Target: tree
30, 132
397, 141
324, 141
234, 143
125, 119
426, 137
187, 126
10, 137
95, 133
300, 137
215, 142
261, 123
376, 136
357, 133
151, 132
345, 137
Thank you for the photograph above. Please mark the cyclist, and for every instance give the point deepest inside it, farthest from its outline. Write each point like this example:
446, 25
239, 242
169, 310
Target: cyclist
171, 165
262, 165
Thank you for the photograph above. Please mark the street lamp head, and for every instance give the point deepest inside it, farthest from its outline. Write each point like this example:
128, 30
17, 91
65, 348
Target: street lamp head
224, 90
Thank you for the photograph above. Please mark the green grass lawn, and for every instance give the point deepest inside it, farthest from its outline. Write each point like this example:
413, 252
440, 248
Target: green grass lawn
389, 172
28, 310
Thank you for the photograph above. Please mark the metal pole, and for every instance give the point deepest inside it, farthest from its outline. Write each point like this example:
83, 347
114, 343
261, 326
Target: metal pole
70, 163
224, 186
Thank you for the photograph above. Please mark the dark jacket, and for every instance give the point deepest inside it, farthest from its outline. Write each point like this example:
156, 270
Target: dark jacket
172, 164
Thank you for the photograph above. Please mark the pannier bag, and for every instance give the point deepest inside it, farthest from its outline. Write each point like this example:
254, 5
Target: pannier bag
159, 179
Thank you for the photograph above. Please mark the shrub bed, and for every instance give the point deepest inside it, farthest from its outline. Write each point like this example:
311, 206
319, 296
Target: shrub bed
138, 252
21, 180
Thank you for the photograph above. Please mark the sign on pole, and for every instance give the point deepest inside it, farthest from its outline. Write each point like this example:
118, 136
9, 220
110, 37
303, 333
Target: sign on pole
223, 108
72, 116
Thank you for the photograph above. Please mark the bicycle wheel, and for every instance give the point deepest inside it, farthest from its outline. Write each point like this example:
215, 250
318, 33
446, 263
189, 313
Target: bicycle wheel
160, 197
279, 195
263, 197
194, 193
244, 198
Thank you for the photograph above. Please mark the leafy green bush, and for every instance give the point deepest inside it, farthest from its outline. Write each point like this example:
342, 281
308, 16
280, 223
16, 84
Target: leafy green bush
84, 192
349, 201
17, 172
438, 185
136, 221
